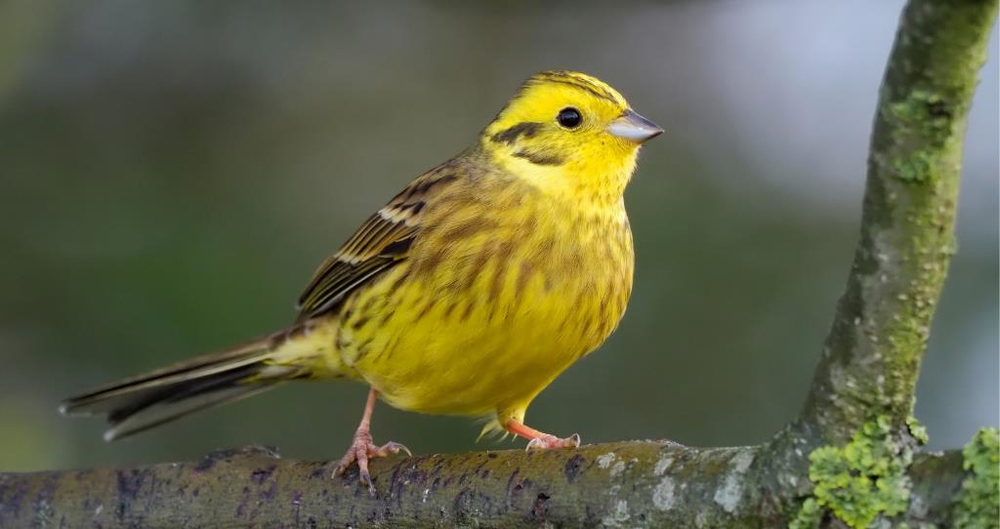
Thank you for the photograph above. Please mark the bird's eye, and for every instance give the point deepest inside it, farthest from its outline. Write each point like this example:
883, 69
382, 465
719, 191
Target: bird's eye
569, 117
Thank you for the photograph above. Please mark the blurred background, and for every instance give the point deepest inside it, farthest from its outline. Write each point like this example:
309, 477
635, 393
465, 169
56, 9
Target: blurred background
173, 172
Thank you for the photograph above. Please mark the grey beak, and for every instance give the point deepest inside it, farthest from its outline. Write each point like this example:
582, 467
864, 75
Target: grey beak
633, 127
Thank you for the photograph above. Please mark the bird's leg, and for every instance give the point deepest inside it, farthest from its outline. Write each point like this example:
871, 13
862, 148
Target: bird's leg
362, 449
540, 440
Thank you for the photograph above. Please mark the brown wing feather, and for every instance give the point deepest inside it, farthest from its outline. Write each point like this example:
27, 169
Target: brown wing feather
382, 242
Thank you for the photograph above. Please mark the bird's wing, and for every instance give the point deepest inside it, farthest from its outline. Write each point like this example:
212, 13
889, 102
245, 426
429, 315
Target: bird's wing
382, 242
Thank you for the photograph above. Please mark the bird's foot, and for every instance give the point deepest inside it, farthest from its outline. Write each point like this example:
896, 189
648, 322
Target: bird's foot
549, 442
540, 440
361, 451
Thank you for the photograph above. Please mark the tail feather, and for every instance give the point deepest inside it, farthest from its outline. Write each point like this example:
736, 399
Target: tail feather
162, 412
161, 396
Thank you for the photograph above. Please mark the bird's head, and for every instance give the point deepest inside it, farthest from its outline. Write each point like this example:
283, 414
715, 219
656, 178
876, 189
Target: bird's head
569, 133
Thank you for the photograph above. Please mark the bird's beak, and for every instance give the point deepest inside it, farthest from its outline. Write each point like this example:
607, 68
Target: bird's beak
633, 127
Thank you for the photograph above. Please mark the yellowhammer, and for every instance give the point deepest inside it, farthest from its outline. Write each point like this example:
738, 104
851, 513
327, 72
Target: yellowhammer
467, 294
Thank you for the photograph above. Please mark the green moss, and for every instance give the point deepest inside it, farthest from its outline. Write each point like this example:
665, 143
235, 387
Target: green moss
808, 516
916, 168
863, 479
917, 430
979, 500
922, 118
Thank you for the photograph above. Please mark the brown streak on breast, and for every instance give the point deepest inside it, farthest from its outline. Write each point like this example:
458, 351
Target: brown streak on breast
467, 312
464, 230
503, 255
523, 276
360, 322
472, 271
451, 307
400, 281
431, 302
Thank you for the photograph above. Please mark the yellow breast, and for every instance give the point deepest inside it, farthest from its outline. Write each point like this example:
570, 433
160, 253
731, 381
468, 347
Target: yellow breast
500, 298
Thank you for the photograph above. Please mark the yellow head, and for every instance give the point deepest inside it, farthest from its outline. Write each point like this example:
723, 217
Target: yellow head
571, 134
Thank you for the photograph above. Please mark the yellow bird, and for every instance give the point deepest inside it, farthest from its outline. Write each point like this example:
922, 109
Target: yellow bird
467, 294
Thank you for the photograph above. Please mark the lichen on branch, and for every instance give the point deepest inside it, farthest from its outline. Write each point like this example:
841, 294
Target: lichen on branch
862, 480
979, 500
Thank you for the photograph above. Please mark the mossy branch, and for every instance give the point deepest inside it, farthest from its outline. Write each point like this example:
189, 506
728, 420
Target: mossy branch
871, 357
850, 458
635, 484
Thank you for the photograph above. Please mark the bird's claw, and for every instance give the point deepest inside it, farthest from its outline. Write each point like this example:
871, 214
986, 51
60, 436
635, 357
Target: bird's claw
361, 451
549, 442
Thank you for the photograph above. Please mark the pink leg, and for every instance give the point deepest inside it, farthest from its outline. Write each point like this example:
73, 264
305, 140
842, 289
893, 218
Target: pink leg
541, 440
362, 449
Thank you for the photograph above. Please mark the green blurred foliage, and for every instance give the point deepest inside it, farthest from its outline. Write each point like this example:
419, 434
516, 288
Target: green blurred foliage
173, 172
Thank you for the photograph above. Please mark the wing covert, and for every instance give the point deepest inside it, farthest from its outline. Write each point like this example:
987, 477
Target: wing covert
380, 243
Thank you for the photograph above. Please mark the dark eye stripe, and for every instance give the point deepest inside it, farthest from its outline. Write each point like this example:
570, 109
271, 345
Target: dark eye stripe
539, 158
509, 136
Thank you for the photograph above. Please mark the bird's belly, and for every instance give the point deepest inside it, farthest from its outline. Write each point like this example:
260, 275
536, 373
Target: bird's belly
471, 370
490, 344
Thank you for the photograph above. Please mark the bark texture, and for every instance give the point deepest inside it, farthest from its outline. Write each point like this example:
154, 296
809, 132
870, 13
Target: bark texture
631, 484
850, 460
871, 358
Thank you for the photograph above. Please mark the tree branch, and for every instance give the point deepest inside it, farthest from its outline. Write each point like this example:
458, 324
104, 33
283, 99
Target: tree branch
871, 357
634, 484
853, 440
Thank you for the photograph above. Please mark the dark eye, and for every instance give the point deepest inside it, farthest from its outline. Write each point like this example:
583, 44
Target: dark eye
569, 117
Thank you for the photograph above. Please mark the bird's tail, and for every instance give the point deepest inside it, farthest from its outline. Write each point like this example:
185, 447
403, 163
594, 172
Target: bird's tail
145, 401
